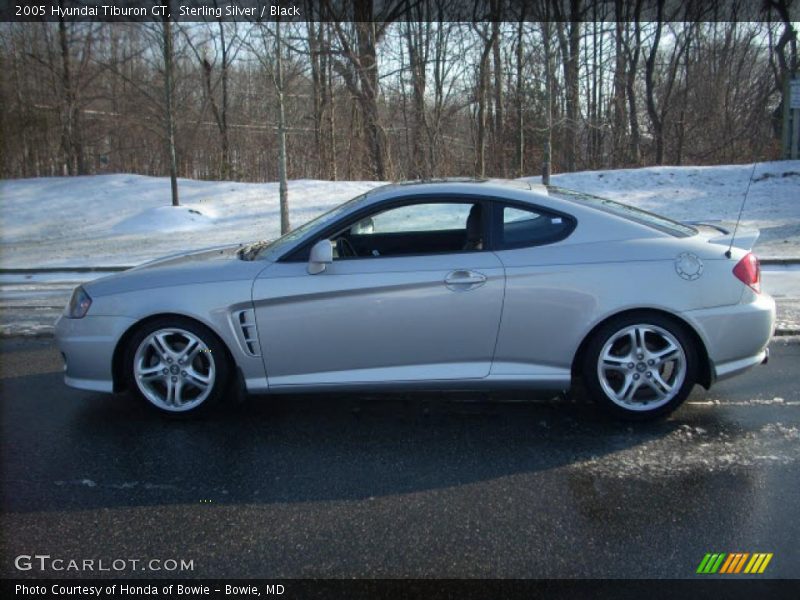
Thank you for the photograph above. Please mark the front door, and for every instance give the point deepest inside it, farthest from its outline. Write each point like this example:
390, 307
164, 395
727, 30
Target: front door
385, 310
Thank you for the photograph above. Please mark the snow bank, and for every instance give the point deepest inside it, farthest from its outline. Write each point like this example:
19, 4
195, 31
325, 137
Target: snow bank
165, 219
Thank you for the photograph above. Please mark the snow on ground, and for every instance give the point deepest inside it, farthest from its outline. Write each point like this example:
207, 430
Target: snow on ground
166, 219
108, 220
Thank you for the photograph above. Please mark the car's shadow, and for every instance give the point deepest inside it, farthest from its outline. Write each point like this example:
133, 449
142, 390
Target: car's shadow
78, 450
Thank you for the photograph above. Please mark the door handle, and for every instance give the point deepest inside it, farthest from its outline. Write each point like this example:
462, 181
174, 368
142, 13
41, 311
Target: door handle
464, 280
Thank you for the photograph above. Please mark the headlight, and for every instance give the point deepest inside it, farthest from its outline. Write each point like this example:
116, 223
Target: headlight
78, 305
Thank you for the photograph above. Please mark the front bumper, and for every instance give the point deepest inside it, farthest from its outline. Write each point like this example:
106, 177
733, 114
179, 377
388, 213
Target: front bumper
87, 346
736, 336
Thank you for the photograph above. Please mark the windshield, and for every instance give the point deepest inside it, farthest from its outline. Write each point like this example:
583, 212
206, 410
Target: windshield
628, 212
277, 247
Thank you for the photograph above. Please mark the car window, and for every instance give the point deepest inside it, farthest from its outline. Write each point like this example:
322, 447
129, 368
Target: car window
274, 248
413, 229
626, 211
434, 216
528, 227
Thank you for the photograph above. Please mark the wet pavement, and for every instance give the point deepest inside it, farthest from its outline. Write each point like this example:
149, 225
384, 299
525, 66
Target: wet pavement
422, 485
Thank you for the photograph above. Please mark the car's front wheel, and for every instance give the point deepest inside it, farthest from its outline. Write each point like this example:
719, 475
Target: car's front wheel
640, 366
177, 365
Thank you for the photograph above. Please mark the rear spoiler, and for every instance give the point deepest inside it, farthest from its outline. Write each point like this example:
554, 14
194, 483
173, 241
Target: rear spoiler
745, 236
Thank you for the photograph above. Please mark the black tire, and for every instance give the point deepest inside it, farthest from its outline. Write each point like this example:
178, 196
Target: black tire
595, 389
217, 357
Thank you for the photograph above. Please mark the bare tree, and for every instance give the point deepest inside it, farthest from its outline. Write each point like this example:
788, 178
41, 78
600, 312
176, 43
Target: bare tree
169, 104
783, 57
520, 95
658, 108
487, 33
217, 52
418, 33
356, 61
632, 45
283, 185
138, 97
498, 128
569, 38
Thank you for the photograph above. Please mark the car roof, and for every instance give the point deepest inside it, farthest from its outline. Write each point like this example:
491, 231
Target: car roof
455, 185
533, 194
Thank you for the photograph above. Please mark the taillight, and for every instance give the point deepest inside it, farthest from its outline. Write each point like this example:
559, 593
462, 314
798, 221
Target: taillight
748, 271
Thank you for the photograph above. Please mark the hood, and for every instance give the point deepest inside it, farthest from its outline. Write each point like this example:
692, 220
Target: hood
202, 255
209, 265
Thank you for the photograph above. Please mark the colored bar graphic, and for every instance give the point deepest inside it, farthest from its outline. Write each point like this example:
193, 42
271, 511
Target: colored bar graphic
755, 561
734, 563
718, 563
702, 567
727, 564
730, 564
765, 563
740, 564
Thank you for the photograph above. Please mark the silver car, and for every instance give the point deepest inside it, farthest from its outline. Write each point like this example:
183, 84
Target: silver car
435, 285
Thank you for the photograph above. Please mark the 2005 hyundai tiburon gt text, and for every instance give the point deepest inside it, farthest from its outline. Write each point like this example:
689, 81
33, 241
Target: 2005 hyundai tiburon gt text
435, 285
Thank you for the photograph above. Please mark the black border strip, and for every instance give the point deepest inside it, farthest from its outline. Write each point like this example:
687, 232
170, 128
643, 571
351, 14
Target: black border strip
732, 587
390, 10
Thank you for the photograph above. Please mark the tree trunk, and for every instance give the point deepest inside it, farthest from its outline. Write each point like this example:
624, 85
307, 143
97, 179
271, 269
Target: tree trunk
519, 96
226, 145
317, 81
70, 126
499, 122
417, 33
630, 90
570, 42
547, 158
620, 115
283, 186
331, 102
656, 123
482, 92
169, 109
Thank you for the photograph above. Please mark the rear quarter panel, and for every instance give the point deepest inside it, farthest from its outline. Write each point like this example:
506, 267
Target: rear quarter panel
555, 295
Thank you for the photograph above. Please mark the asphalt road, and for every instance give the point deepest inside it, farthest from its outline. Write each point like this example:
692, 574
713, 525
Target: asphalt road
398, 486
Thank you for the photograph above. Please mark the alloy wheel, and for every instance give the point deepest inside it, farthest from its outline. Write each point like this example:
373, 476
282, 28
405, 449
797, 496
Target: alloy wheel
174, 369
642, 367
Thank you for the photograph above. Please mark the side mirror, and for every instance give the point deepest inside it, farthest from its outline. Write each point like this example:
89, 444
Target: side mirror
321, 254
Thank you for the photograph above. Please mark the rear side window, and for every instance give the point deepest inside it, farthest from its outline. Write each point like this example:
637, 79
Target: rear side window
520, 227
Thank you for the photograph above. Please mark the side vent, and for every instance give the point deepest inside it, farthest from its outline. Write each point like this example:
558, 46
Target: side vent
245, 321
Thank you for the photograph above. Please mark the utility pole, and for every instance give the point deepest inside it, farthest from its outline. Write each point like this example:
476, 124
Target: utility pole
283, 186
791, 117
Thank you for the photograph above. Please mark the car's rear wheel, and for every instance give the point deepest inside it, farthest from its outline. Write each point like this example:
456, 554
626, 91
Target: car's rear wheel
640, 366
177, 365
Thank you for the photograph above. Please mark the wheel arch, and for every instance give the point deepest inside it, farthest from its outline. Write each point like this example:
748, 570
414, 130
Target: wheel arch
118, 357
705, 369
